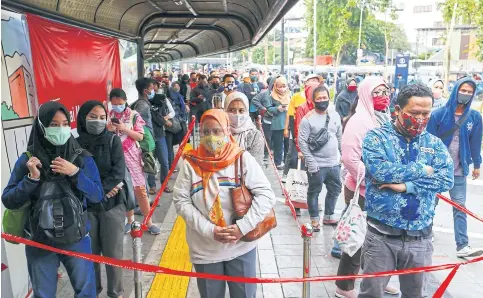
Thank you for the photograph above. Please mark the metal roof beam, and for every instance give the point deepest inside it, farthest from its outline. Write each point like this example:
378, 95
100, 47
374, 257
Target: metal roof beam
190, 7
155, 5
144, 23
192, 45
276, 12
16, 6
177, 51
220, 30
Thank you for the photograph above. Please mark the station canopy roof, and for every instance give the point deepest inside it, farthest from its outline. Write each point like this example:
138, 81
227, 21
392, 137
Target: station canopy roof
168, 29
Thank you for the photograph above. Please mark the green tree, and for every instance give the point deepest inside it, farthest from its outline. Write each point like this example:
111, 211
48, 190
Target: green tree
470, 12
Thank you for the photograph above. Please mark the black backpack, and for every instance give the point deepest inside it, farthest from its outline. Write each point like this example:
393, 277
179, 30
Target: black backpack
58, 216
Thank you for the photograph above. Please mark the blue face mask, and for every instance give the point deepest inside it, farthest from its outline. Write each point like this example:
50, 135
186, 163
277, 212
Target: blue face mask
151, 95
118, 108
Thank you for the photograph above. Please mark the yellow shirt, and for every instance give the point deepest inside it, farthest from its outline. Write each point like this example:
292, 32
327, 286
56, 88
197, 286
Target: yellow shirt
297, 100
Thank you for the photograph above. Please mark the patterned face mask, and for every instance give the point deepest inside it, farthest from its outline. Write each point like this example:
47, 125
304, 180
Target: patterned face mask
214, 144
412, 126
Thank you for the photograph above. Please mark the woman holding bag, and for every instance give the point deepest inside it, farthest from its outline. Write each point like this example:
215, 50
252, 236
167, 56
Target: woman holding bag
106, 217
371, 112
202, 196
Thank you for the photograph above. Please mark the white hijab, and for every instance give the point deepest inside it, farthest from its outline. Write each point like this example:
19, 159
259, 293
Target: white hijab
240, 132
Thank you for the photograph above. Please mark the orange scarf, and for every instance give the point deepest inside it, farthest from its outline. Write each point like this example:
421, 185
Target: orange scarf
205, 165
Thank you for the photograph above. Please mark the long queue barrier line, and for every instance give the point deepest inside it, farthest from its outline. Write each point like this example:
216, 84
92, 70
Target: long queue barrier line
306, 231
128, 264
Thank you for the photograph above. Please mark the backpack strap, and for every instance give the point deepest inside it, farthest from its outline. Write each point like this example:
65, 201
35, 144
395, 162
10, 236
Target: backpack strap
456, 126
112, 141
77, 152
29, 155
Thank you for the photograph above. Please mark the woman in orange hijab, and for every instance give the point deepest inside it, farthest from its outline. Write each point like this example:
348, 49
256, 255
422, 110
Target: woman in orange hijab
202, 197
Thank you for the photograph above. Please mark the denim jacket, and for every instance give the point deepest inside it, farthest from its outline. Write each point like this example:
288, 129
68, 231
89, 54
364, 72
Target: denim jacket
390, 158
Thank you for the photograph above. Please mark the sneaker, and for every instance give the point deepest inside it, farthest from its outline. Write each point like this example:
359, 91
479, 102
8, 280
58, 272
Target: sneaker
168, 190
297, 212
154, 230
152, 190
284, 178
127, 228
280, 166
330, 220
469, 252
346, 294
391, 290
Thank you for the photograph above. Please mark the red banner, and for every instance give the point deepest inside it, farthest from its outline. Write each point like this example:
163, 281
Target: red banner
72, 65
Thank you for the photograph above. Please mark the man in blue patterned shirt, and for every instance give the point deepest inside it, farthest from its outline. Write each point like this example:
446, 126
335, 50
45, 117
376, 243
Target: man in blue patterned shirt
405, 168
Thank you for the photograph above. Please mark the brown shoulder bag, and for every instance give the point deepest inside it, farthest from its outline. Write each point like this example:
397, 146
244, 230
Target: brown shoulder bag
242, 201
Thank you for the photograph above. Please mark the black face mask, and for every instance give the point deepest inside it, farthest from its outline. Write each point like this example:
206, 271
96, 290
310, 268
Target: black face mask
321, 105
215, 85
464, 99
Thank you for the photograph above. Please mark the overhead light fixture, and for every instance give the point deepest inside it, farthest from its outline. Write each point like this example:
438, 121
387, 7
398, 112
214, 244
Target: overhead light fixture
178, 2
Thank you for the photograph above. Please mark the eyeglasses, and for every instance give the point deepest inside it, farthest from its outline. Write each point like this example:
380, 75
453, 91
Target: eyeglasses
380, 92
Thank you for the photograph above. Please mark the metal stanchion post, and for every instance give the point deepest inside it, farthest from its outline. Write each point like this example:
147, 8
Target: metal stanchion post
137, 246
196, 135
307, 232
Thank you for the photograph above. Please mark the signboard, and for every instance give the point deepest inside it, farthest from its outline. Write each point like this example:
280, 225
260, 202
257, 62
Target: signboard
402, 68
72, 65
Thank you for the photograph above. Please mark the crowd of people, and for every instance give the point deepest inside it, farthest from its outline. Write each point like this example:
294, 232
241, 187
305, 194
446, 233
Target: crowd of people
396, 147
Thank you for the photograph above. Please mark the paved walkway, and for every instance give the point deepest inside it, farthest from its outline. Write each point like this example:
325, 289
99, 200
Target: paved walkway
280, 254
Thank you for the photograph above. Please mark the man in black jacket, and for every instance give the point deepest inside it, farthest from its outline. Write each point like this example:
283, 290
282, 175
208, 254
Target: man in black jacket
251, 89
199, 97
159, 111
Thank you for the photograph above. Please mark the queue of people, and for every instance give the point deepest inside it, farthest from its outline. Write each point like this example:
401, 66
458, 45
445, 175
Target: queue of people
106, 177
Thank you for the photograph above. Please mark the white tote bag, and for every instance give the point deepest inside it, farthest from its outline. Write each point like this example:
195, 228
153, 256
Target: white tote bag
350, 232
297, 184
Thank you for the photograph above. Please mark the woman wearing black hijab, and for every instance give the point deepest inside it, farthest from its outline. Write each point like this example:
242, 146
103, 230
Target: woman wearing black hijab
51, 146
107, 217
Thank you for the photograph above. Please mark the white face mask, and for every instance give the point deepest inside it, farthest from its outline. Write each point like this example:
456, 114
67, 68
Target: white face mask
238, 120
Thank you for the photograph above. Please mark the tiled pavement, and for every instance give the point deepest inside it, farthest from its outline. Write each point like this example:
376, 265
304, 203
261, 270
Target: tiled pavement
280, 254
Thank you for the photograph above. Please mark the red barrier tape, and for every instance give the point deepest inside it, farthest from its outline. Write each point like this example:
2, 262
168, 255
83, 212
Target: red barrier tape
127, 264
288, 201
165, 183
461, 208
442, 288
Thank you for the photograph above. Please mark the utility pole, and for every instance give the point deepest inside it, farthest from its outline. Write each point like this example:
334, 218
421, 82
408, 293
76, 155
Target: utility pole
282, 48
266, 54
447, 56
359, 50
315, 34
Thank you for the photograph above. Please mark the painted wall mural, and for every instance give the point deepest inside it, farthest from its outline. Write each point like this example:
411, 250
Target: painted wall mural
18, 107
18, 91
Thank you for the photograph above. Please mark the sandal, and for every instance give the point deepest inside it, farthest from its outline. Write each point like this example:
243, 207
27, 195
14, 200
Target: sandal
152, 190
315, 226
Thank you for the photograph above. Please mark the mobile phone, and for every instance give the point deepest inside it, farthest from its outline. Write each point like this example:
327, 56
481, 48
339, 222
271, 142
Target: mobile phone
115, 120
